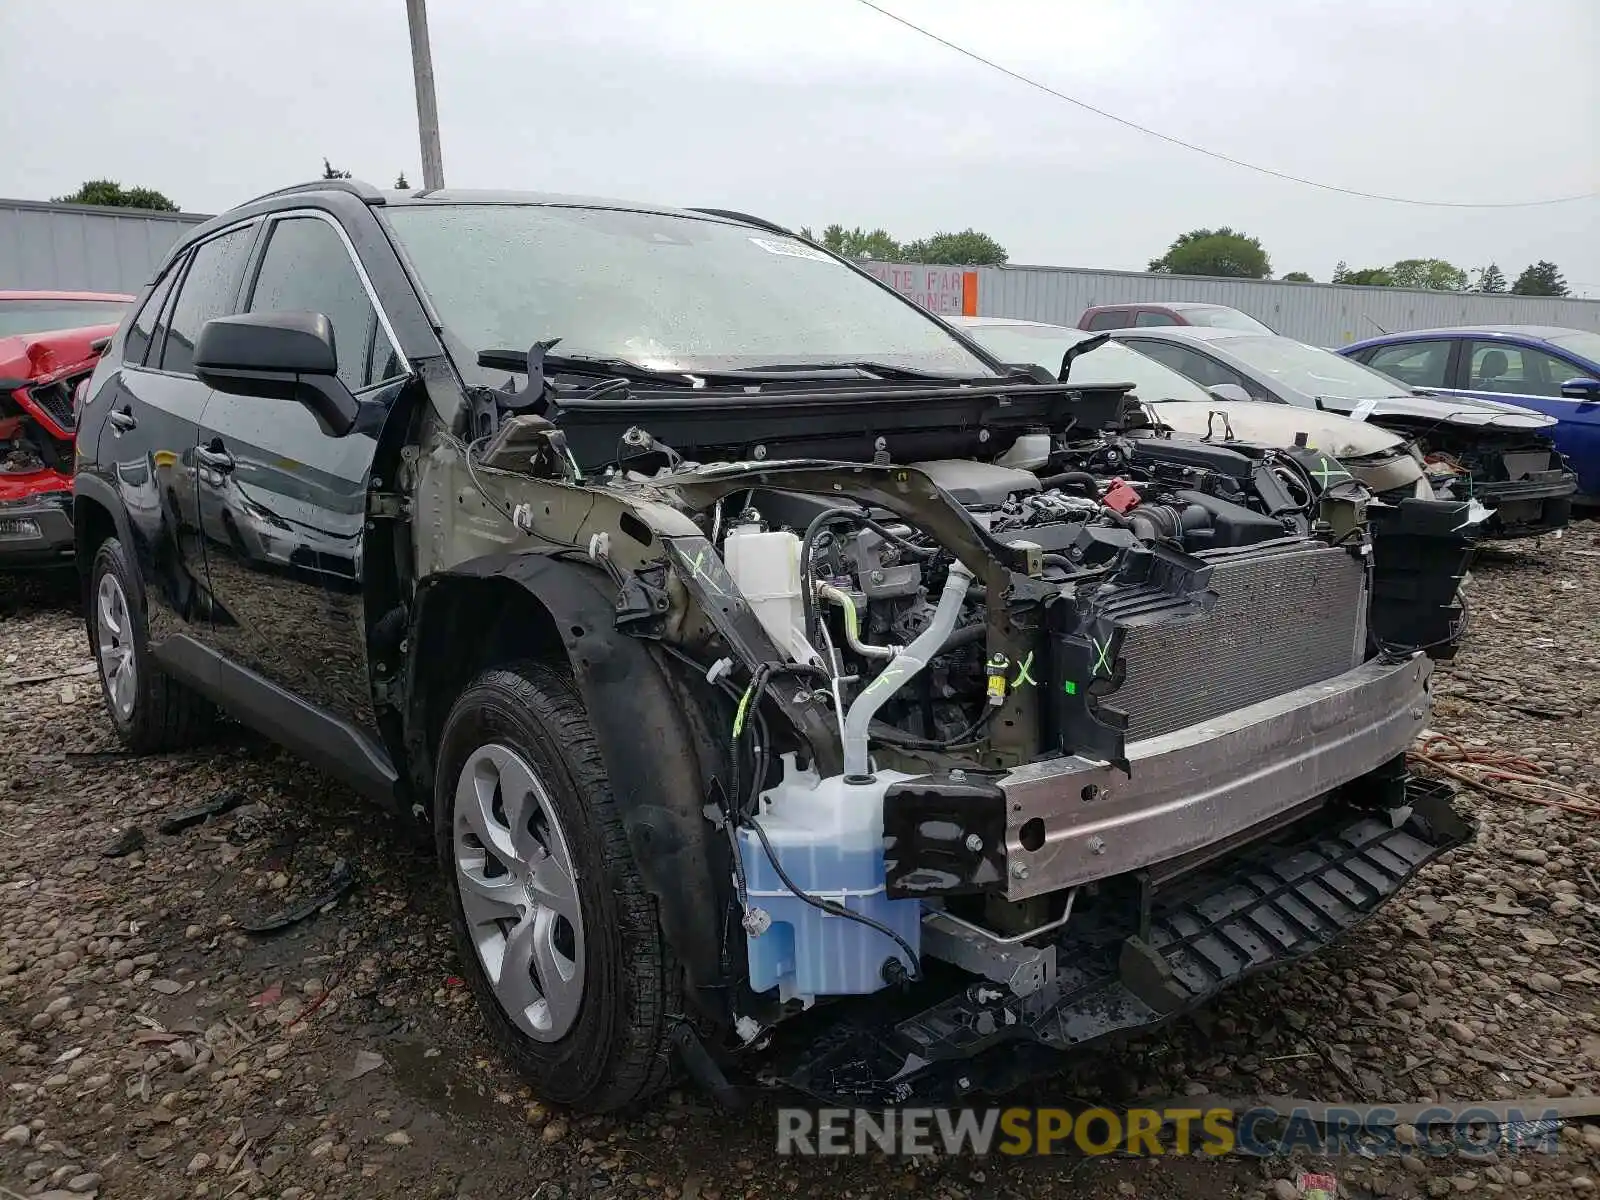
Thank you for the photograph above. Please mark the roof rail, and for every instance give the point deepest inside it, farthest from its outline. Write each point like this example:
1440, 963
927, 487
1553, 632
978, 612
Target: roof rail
365, 192
730, 215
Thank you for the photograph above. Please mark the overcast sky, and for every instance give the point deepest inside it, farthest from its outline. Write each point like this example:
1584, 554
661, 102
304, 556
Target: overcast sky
824, 111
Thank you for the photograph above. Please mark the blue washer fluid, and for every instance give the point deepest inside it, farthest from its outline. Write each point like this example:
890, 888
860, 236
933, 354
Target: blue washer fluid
829, 837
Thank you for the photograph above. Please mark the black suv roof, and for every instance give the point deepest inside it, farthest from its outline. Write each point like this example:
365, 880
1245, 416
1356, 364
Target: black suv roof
378, 198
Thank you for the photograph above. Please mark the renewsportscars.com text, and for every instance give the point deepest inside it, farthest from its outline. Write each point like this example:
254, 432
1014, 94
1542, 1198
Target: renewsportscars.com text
1148, 1132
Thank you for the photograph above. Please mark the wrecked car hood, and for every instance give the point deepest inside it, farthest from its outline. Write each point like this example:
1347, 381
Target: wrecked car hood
28, 358
1465, 411
1278, 425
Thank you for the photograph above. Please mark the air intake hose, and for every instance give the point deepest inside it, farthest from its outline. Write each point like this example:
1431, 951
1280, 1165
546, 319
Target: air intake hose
901, 668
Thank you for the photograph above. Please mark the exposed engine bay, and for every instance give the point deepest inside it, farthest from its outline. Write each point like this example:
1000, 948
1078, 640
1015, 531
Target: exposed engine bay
1003, 667
37, 423
1517, 472
40, 377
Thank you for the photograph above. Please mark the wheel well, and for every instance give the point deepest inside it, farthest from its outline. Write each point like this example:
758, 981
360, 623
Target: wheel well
92, 524
467, 626
526, 606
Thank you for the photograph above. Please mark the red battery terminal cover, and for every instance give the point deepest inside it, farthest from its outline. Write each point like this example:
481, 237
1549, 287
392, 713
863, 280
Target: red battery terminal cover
1119, 497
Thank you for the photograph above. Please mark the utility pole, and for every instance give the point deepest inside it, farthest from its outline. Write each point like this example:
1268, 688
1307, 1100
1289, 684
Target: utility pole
427, 105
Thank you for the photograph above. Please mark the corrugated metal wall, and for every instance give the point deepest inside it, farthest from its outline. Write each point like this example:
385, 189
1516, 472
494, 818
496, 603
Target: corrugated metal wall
1323, 314
81, 247
78, 247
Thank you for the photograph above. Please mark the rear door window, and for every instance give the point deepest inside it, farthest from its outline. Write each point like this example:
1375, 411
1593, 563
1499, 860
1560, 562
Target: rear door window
1516, 370
1207, 372
210, 288
1415, 364
1149, 318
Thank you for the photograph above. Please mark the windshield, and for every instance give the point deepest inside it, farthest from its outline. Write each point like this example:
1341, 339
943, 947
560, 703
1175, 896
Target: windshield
1311, 370
1585, 345
47, 316
1222, 317
670, 293
1111, 363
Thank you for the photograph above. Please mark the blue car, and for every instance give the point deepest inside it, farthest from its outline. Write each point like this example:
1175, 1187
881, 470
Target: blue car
1543, 367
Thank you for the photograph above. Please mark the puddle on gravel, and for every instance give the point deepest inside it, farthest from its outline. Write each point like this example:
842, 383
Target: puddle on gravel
442, 1084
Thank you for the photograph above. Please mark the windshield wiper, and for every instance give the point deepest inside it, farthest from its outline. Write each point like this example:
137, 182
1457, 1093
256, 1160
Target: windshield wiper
539, 360
823, 370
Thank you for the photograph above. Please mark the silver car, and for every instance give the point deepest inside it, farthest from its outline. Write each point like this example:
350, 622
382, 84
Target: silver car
1498, 454
1381, 460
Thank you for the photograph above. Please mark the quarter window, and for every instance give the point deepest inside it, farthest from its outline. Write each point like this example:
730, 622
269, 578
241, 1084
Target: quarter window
306, 268
1516, 370
1415, 364
137, 344
209, 289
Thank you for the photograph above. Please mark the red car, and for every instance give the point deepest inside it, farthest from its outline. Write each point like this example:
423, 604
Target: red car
49, 345
1174, 312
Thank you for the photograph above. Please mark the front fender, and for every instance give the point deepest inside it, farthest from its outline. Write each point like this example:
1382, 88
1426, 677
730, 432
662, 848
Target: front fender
653, 736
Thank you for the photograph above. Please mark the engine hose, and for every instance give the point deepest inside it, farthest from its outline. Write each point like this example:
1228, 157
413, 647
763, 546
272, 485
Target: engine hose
900, 670
909, 741
1084, 481
840, 516
852, 624
808, 599
968, 634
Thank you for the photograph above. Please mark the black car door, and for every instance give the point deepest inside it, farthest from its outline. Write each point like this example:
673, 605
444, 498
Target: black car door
282, 502
148, 441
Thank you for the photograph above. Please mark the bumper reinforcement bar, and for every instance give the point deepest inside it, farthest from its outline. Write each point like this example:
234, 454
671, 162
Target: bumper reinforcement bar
1272, 902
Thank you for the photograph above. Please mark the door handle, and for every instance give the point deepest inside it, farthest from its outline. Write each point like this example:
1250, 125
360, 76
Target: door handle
215, 457
122, 420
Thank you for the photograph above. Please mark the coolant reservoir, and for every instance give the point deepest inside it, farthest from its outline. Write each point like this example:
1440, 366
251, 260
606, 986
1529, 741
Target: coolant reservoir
828, 834
766, 566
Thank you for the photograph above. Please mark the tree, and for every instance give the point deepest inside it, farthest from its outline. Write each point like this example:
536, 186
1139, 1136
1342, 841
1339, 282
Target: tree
1541, 279
329, 171
1298, 277
1224, 251
114, 195
1433, 274
400, 184
858, 243
969, 248
1365, 277
1490, 279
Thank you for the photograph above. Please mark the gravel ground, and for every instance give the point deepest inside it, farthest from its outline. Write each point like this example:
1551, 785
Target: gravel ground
151, 1048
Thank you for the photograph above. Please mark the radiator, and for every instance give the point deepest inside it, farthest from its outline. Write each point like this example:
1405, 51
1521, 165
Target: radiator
1284, 618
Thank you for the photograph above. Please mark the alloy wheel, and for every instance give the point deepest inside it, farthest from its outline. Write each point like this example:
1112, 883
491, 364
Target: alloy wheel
114, 642
519, 891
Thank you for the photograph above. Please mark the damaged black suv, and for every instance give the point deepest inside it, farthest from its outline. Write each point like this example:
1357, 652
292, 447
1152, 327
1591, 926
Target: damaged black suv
749, 641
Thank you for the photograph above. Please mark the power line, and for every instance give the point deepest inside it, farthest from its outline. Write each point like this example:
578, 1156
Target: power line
1167, 137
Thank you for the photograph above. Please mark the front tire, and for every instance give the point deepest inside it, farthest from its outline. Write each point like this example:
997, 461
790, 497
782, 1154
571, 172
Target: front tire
151, 711
557, 935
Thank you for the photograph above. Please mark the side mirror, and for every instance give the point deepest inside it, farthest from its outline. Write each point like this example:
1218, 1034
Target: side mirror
277, 356
1230, 391
1583, 389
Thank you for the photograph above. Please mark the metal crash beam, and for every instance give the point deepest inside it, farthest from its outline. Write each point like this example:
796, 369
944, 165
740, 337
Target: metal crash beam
1071, 821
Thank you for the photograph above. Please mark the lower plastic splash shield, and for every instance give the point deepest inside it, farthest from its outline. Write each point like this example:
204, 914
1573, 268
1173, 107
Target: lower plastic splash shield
1269, 904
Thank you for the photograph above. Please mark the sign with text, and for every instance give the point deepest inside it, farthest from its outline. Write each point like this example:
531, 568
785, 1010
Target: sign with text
947, 291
